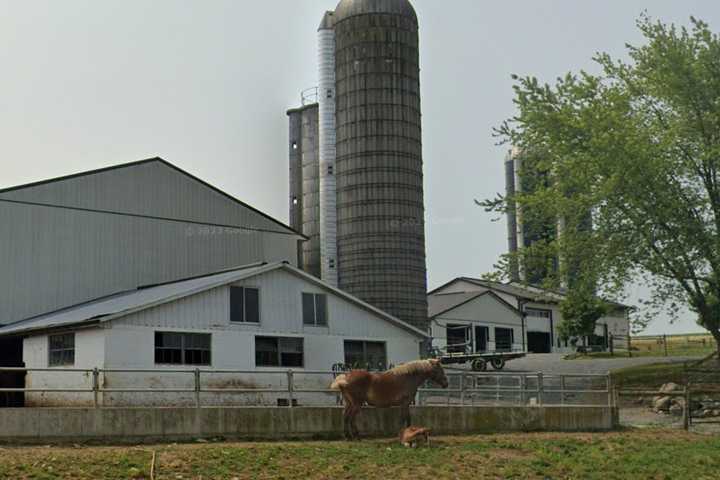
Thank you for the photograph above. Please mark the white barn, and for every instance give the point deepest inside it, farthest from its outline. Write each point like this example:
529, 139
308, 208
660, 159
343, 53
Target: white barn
264, 318
531, 327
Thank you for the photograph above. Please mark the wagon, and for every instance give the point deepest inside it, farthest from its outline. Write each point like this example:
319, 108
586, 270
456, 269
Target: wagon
479, 361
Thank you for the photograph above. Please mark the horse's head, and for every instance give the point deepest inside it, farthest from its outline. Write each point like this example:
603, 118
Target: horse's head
437, 374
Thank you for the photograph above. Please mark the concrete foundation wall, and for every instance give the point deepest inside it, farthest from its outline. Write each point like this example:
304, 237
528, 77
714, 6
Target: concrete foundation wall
167, 424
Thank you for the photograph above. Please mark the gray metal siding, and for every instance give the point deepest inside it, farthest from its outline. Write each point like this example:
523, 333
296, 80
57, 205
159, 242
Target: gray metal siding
53, 258
151, 188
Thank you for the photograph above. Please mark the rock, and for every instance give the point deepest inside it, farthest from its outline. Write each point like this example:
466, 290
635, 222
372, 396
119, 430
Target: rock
662, 404
707, 413
716, 413
676, 410
669, 387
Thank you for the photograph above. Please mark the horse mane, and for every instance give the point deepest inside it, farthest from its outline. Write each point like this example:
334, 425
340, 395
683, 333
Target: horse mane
412, 368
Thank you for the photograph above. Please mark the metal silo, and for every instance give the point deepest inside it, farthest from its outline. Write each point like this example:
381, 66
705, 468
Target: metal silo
380, 210
305, 181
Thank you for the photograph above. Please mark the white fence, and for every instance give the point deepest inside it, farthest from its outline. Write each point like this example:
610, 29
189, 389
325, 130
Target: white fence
99, 388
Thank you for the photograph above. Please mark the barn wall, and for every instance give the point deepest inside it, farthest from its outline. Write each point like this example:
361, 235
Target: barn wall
482, 311
53, 258
89, 354
130, 344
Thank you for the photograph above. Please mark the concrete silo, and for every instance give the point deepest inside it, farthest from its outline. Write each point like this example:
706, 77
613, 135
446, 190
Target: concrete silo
380, 209
372, 229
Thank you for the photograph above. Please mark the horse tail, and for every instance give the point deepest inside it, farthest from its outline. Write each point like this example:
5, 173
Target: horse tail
339, 383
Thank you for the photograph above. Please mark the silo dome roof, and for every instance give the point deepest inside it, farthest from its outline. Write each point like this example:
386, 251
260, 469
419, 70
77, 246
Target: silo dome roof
349, 8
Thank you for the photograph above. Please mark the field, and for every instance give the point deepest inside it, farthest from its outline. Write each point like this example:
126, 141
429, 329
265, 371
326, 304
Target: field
677, 345
646, 454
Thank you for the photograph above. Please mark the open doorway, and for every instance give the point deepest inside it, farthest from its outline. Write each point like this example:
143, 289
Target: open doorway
11, 355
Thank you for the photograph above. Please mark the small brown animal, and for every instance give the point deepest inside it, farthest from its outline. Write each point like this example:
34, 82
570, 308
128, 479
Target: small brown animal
411, 435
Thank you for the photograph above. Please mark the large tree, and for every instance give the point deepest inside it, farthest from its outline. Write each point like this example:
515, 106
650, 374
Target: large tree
635, 151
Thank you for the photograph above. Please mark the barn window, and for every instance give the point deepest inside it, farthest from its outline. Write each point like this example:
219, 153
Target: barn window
504, 339
537, 312
368, 355
279, 352
172, 348
244, 305
315, 309
61, 350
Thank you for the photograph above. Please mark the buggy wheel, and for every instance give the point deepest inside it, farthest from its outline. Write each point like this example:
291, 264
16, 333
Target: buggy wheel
498, 363
479, 365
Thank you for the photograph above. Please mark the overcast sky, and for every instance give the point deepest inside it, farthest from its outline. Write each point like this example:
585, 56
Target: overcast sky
205, 85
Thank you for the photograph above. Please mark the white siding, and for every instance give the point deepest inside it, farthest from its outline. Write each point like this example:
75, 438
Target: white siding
482, 311
89, 354
129, 343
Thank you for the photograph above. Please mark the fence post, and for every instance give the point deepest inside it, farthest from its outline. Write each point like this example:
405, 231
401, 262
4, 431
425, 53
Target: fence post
197, 388
612, 345
665, 344
686, 410
611, 390
291, 388
462, 388
96, 386
523, 388
540, 388
562, 389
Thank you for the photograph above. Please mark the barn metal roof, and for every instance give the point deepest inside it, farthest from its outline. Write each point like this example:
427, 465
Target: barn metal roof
442, 303
119, 305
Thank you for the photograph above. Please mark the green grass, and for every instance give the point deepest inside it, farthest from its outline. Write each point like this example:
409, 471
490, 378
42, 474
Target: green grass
651, 376
647, 454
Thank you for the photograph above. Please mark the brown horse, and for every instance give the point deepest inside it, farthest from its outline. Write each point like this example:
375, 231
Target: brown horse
394, 388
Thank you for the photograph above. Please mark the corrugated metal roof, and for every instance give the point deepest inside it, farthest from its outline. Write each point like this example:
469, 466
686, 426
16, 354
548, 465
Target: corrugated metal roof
121, 304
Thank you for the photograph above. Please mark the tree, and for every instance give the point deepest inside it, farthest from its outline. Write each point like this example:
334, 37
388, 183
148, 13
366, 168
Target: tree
634, 150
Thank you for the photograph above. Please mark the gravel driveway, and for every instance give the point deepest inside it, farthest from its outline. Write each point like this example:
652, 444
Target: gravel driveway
554, 363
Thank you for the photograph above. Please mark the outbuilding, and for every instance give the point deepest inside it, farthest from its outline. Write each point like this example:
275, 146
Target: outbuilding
534, 324
262, 319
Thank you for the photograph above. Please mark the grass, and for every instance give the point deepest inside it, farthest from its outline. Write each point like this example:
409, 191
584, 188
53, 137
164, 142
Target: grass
647, 454
650, 377
688, 345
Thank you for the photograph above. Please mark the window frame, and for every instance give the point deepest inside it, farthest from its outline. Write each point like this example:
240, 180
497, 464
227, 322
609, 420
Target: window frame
365, 351
326, 309
244, 303
52, 350
512, 338
279, 351
183, 349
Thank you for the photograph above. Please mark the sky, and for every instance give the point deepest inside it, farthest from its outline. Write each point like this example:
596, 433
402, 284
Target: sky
206, 84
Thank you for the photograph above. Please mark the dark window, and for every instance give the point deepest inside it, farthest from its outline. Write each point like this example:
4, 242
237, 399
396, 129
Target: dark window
62, 350
315, 309
457, 338
279, 352
503, 339
173, 348
537, 312
368, 355
244, 305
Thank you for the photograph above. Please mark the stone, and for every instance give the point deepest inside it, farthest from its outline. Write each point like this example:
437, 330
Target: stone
676, 410
669, 387
662, 404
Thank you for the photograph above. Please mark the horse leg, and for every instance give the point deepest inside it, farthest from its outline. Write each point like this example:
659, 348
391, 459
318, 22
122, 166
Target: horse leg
405, 414
353, 421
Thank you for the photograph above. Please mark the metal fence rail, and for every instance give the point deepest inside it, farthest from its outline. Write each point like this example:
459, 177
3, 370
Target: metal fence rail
466, 388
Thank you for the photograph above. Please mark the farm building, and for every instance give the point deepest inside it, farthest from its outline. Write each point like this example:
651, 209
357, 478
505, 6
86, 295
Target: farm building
488, 316
262, 319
